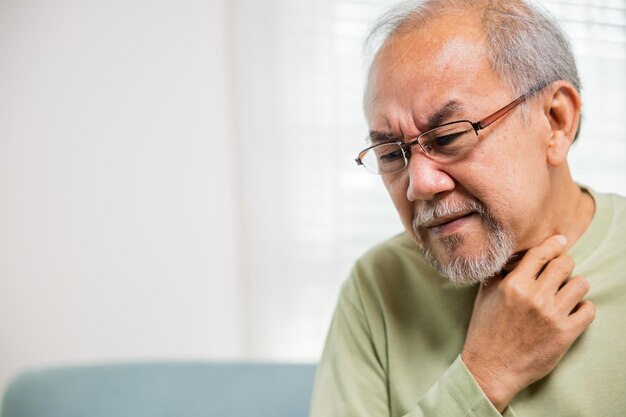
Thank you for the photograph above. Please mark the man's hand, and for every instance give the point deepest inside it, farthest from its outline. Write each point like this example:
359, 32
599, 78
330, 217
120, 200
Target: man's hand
523, 325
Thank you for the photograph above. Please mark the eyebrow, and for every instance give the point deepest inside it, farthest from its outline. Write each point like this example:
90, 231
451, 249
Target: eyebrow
437, 119
376, 137
450, 108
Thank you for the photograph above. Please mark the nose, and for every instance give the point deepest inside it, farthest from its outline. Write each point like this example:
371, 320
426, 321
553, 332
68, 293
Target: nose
426, 178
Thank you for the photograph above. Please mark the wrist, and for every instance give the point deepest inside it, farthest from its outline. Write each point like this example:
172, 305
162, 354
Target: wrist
496, 387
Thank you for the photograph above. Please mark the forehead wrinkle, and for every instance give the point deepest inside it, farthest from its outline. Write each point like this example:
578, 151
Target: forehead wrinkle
382, 131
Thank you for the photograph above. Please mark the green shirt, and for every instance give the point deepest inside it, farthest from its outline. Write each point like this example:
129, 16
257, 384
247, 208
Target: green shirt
394, 342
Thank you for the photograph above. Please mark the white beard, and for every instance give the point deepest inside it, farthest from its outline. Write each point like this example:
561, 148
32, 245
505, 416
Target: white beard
468, 270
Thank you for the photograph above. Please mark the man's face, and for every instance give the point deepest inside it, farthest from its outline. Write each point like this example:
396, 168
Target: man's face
469, 216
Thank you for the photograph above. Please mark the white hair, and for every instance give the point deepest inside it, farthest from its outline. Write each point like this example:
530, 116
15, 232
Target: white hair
525, 46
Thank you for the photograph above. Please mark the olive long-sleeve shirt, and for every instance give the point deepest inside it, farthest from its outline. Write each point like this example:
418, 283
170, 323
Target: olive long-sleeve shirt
394, 343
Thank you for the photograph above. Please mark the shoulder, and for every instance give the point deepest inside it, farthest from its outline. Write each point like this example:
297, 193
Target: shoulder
619, 205
612, 208
393, 257
603, 244
614, 199
399, 248
392, 270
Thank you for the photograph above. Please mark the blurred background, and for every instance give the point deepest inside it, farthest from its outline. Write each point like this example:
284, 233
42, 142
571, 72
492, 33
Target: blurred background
177, 178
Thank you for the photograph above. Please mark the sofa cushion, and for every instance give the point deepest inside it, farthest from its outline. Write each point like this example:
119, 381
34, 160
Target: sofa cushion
163, 390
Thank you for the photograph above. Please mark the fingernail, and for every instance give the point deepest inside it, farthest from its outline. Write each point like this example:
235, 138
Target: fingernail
562, 239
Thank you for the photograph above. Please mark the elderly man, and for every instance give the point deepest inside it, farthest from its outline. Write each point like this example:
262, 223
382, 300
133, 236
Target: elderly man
485, 304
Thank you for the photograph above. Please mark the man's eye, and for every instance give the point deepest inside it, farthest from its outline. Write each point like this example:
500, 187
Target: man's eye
391, 155
448, 141
445, 140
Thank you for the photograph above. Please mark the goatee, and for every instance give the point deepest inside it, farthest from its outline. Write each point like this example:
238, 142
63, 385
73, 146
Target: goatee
470, 269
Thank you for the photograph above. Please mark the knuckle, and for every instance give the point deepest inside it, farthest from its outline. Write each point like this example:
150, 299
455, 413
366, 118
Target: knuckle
590, 310
513, 290
568, 262
580, 284
586, 313
562, 326
560, 267
539, 254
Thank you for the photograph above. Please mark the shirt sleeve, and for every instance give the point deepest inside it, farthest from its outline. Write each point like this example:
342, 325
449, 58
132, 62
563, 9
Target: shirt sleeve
352, 381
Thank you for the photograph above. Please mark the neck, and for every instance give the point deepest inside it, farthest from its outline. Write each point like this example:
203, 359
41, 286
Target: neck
575, 209
570, 212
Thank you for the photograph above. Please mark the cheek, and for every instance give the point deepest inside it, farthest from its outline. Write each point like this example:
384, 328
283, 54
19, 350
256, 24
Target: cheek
513, 159
500, 182
397, 189
514, 190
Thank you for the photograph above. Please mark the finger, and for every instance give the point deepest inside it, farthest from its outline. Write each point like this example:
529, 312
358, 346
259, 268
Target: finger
571, 294
583, 315
556, 272
536, 258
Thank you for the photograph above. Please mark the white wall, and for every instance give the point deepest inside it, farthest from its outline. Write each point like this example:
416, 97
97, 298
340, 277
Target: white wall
117, 221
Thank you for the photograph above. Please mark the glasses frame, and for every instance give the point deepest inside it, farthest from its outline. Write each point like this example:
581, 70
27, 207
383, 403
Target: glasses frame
477, 126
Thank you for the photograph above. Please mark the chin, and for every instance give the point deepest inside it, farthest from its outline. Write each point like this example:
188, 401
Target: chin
469, 260
463, 240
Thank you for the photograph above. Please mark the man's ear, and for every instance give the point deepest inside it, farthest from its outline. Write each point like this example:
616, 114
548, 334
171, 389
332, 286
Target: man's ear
562, 108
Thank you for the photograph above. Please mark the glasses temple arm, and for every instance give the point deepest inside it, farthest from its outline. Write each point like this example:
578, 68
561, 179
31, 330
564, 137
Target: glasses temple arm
481, 124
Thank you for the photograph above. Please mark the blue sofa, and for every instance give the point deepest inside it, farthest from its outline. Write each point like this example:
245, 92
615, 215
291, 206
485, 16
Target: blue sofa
201, 389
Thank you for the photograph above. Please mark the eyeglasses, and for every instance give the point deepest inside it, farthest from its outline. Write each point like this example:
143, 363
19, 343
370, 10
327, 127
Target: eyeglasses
444, 143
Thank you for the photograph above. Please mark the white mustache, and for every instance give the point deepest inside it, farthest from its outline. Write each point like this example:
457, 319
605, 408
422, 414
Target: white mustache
430, 211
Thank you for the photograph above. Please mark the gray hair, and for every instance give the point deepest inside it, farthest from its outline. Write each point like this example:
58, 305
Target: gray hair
525, 46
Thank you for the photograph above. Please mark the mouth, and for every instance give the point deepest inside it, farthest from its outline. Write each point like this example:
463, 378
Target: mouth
450, 223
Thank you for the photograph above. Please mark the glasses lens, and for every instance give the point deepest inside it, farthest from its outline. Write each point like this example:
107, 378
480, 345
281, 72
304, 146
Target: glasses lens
385, 158
449, 141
